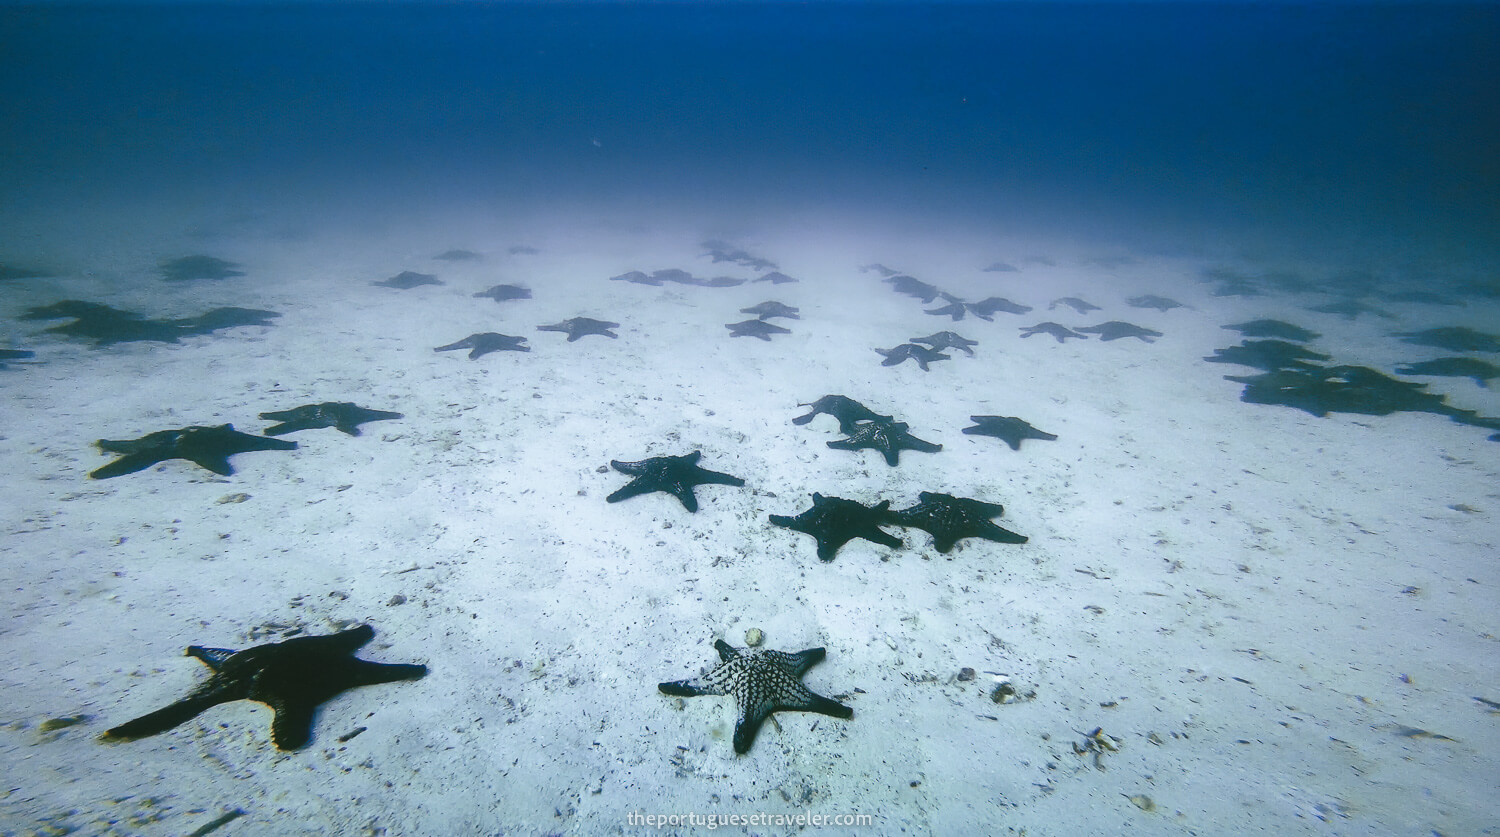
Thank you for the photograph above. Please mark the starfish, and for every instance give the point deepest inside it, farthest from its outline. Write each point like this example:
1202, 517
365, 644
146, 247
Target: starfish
1114, 330
408, 279
209, 447
345, 416
1273, 328
1008, 429
834, 521
876, 267
1267, 355
198, 267
501, 293
1160, 303
104, 324
14, 354
762, 681
722, 251
221, 318
985, 309
676, 475
956, 308
576, 327
458, 256
847, 411
1061, 332
1481, 371
1454, 339
772, 308
292, 677
911, 286
755, 328
1350, 309
947, 340
911, 351
1075, 303
888, 437
775, 277
950, 519
636, 277
486, 342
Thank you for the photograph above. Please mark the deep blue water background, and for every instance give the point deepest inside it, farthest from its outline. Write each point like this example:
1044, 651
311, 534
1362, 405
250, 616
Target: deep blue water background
1350, 122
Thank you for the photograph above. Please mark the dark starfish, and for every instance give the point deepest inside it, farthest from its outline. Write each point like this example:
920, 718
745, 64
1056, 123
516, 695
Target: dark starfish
1061, 332
1454, 339
762, 681
776, 277
103, 324
1340, 389
408, 279
209, 447
834, 521
985, 309
501, 293
458, 256
576, 327
14, 354
1267, 355
1114, 330
1481, 371
486, 342
198, 267
911, 351
676, 475
948, 340
343, 415
772, 308
292, 677
950, 519
879, 268
847, 411
888, 437
1008, 429
1160, 303
1075, 303
722, 251
755, 328
956, 308
672, 274
912, 286
1273, 328
222, 318
1000, 267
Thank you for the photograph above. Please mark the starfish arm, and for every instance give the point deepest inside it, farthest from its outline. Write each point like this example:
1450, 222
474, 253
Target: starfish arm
632, 468
804, 660
825, 706
882, 537
128, 464
634, 488
165, 718
285, 427
685, 494
292, 723
683, 688
218, 463
348, 426
705, 477
746, 727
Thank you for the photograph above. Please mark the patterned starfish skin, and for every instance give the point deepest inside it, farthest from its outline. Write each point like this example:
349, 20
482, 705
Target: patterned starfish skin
343, 415
208, 447
834, 521
577, 327
485, 342
888, 437
291, 677
762, 682
676, 475
846, 410
950, 519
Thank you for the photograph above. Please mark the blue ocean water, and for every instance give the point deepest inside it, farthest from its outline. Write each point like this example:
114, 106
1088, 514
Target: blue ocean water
1363, 123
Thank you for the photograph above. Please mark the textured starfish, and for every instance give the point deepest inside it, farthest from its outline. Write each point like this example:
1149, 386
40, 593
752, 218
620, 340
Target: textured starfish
636, 277
834, 521
847, 411
762, 681
947, 340
776, 277
676, 475
1160, 303
985, 309
888, 437
772, 308
408, 279
1273, 328
912, 286
486, 342
911, 351
956, 308
209, 447
1114, 330
501, 293
1267, 355
722, 251
1061, 332
1075, 303
291, 677
344, 415
1008, 429
1480, 371
949, 519
576, 327
755, 328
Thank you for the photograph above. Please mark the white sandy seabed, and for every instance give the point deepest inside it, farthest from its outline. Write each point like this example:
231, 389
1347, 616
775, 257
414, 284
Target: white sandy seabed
1278, 623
